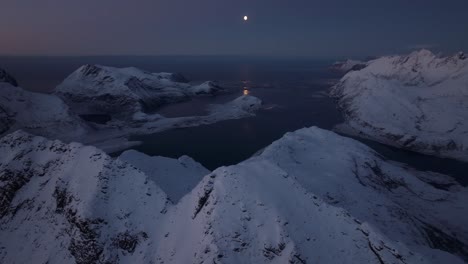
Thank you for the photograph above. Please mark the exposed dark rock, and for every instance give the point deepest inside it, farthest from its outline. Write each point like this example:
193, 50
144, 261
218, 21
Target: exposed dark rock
5, 121
12, 181
128, 242
375, 251
272, 252
85, 245
6, 77
202, 201
62, 199
297, 259
90, 70
440, 240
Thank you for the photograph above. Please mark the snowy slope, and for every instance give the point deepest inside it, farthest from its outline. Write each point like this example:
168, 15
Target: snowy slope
348, 65
64, 203
120, 92
176, 177
41, 114
316, 197
310, 197
418, 102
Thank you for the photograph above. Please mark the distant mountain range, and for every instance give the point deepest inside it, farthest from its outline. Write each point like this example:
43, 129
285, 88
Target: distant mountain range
103, 106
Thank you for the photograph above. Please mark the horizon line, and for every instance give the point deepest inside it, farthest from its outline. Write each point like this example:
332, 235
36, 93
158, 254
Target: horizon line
181, 55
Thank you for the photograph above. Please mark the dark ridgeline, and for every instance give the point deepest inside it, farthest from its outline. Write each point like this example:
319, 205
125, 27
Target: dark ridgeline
6, 77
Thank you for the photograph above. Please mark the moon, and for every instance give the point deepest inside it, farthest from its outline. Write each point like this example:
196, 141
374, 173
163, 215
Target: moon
246, 18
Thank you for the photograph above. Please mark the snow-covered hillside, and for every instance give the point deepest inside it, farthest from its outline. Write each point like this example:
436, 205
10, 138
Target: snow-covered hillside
310, 197
176, 177
64, 203
121, 92
348, 65
418, 102
41, 114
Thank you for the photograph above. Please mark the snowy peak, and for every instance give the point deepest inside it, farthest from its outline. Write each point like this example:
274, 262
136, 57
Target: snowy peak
422, 53
425, 59
121, 92
109, 80
103, 73
7, 78
349, 175
315, 195
414, 101
419, 68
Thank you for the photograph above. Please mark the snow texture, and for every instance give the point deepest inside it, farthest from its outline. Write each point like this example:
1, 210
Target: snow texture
41, 114
176, 177
417, 102
310, 197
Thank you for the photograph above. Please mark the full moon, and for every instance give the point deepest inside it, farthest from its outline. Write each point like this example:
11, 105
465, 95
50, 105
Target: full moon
245, 18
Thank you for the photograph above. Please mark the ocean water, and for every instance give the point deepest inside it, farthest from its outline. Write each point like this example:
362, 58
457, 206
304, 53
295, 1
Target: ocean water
293, 91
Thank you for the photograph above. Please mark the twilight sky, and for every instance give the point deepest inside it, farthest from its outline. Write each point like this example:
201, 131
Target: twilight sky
198, 27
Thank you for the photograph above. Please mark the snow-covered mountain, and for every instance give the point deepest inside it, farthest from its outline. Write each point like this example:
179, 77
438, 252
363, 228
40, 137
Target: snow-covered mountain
418, 102
348, 65
312, 196
66, 203
49, 116
41, 114
121, 92
5, 77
